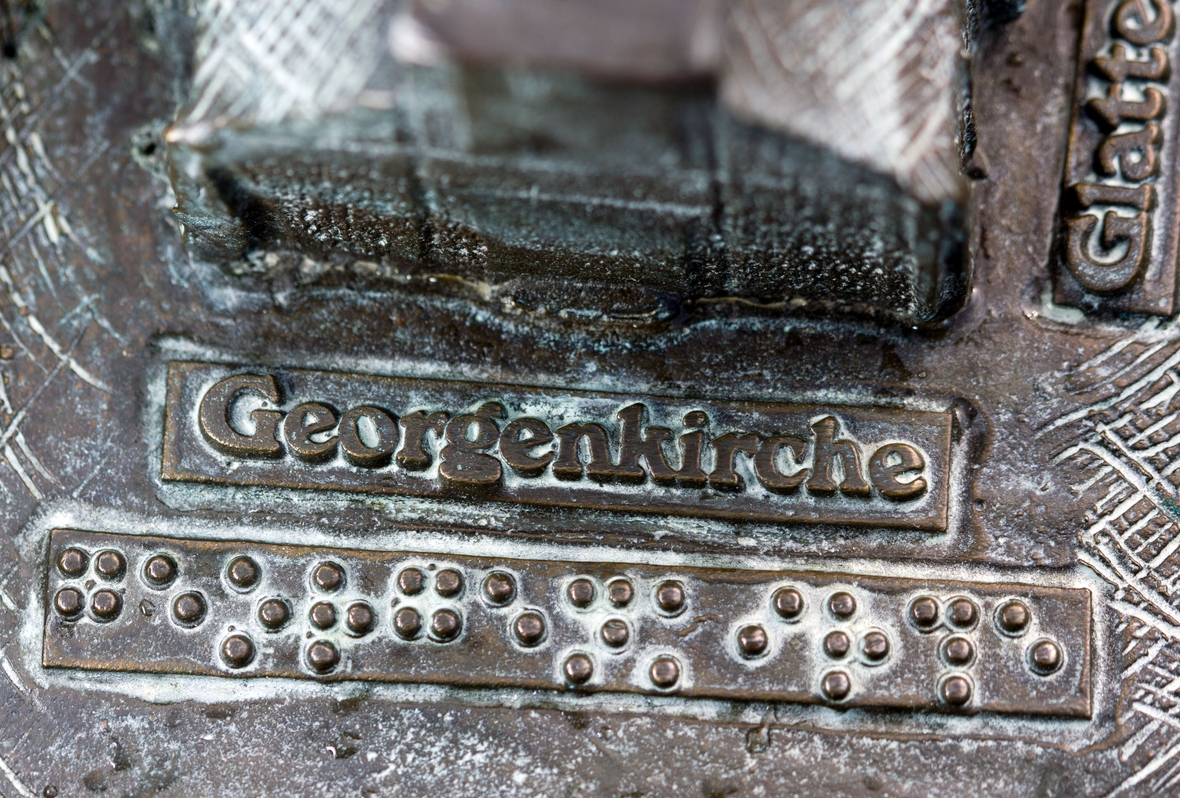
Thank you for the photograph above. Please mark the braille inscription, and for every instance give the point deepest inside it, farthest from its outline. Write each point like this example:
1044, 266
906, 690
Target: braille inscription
529, 628
842, 604
788, 603
732, 623
1045, 656
72, 562
106, 604
407, 622
619, 592
322, 615
189, 609
578, 668
359, 619
1013, 617
752, 640
836, 645
615, 633
956, 690
737, 460
445, 625
274, 614
499, 588
581, 593
328, 577
836, 685
448, 583
68, 602
323, 656
110, 565
243, 573
160, 571
665, 672
411, 581
924, 612
237, 651
962, 613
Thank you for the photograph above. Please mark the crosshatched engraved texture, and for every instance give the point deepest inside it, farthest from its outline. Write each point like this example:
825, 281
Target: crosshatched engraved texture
742, 460
852, 640
1119, 210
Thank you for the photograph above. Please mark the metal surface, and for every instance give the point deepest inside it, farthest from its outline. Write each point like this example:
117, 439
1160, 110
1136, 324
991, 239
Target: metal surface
1060, 488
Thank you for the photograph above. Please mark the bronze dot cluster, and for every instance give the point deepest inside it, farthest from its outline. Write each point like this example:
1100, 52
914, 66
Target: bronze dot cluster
102, 594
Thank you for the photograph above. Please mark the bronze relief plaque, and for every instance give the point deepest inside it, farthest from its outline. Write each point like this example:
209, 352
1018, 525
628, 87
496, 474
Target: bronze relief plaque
393, 405
386, 435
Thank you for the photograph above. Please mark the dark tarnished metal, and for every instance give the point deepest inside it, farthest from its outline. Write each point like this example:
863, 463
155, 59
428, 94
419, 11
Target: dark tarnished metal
1017, 635
700, 632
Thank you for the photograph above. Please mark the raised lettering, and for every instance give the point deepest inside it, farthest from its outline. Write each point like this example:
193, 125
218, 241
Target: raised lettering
1112, 109
635, 441
1133, 22
464, 459
413, 455
892, 461
303, 422
383, 434
217, 408
568, 464
518, 441
1118, 67
1103, 277
827, 453
1141, 197
1135, 152
766, 463
725, 450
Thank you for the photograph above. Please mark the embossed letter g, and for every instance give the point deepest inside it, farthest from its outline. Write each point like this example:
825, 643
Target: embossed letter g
217, 406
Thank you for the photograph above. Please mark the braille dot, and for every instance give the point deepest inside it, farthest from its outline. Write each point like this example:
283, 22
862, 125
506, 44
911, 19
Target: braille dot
615, 633
448, 582
875, 646
665, 672
956, 691
322, 656
189, 609
788, 603
529, 628
670, 597
499, 588
581, 593
411, 581
836, 645
110, 565
237, 651
1013, 617
578, 668
1046, 656
620, 592
407, 622
160, 571
274, 614
958, 650
243, 573
106, 604
68, 602
924, 612
445, 625
359, 618
836, 685
322, 615
752, 640
962, 612
842, 604
72, 562
328, 576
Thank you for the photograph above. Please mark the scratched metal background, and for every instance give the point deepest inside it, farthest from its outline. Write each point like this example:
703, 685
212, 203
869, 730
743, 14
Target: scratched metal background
1075, 481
